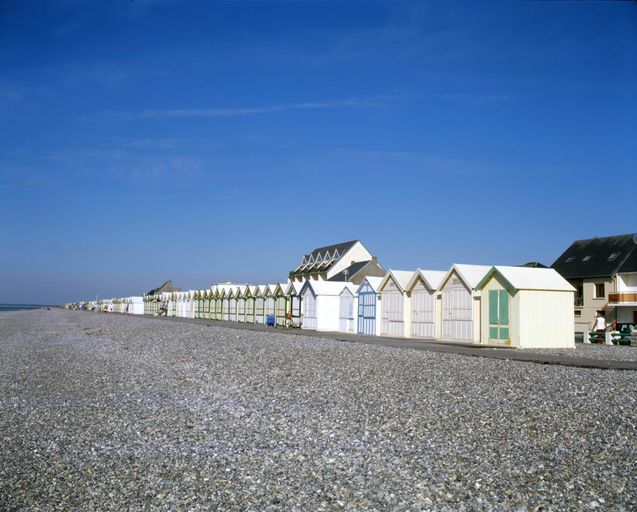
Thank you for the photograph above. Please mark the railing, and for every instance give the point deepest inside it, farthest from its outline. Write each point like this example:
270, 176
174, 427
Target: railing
622, 297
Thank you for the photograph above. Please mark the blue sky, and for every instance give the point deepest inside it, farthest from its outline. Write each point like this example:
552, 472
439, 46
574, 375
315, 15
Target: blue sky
209, 141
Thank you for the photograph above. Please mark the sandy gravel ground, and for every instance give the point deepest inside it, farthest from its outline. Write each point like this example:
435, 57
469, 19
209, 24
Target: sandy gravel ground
105, 412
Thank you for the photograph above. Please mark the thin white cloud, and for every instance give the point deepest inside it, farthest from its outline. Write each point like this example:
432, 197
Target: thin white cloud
355, 102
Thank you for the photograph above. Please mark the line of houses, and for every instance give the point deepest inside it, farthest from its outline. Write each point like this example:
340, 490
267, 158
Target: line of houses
343, 288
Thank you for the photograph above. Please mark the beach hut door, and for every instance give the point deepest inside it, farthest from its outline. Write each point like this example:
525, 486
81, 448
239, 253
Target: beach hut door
499, 315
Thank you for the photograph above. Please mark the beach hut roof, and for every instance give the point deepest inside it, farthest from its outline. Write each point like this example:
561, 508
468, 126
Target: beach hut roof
432, 278
326, 287
400, 277
374, 282
293, 288
528, 278
471, 275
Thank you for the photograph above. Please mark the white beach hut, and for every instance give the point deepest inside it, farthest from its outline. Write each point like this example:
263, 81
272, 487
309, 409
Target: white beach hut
320, 305
395, 313
526, 308
294, 304
369, 306
422, 290
250, 300
280, 304
459, 303
259, 303
348, 308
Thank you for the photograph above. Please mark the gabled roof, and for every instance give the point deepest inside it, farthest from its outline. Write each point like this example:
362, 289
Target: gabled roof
353, 269
432, 278
471, 275
598, 257
317, 261
351, 288
525, 278
374, 283
166, 287
400, 277
293, 288
325, 287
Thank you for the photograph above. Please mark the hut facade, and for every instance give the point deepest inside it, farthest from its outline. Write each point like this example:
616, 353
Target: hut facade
348, 308
369, 306
422, 291
295, 303
395, 318
320, 305
526, 308
459, 303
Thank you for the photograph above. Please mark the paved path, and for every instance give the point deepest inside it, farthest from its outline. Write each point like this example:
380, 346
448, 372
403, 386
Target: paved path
464, 349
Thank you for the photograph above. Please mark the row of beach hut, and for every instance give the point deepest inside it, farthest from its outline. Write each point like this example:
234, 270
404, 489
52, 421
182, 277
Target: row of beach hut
494, 305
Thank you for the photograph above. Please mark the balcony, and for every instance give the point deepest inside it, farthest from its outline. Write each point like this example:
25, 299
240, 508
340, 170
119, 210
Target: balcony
619, 298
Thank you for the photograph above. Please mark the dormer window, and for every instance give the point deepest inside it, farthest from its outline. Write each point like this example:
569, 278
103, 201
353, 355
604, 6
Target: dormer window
586, 258
613, 256
336, 255
569, 260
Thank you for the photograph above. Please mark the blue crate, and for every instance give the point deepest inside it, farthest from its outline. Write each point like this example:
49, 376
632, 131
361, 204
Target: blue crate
270, 321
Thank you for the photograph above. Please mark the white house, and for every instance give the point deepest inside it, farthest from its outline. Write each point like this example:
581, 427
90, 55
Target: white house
526, 308
422, 291
395, 318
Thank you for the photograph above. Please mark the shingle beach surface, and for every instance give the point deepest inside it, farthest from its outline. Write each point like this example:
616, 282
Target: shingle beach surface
107, 412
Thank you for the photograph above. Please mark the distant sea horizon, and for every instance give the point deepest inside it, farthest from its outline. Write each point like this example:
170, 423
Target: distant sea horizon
18, 307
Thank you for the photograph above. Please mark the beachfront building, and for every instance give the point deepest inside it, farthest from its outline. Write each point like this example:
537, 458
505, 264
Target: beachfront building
295, 304
348, 308
369, 306
326, 262
603, 272
526, 308
259, 303
395, 317
459, 303
320, 305
422, 291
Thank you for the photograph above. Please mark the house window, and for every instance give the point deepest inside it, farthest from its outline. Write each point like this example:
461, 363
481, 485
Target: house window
568, 260
613, 256
586, 258
600, 291
578, 312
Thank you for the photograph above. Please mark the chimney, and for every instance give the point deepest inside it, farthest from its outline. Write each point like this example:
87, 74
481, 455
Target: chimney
375, 259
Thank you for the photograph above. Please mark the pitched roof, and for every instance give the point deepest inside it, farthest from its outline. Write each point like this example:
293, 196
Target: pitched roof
315, 261
470, 274
352, 270
432, 278
374, 282
597, 257
526, 278
166, 287
326, 287
400, 277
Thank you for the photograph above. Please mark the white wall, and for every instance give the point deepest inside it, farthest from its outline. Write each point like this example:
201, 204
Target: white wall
627, 283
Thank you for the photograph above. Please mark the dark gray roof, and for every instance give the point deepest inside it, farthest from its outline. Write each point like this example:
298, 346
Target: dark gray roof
533, 264
342, 248
354, 269
322, 266
166, 287
598, 257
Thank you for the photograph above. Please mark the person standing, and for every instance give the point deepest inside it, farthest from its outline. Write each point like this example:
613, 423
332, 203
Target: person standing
599, 327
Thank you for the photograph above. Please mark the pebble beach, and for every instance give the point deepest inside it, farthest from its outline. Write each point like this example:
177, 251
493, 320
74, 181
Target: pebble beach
111, 412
